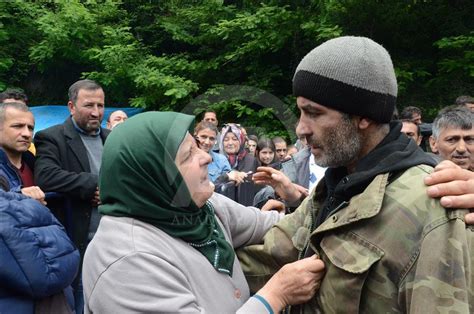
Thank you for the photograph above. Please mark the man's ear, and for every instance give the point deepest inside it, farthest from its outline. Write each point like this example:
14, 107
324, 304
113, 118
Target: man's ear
70, 105
364, 123
433, 144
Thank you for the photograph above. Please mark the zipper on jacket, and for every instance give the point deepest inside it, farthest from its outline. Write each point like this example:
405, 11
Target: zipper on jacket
17, 172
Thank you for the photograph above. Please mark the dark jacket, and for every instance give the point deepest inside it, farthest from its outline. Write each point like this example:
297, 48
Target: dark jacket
62, 166
11, 178
37, 259
296, 169
245, 192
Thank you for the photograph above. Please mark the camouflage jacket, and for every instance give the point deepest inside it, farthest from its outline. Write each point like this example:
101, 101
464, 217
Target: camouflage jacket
392, 249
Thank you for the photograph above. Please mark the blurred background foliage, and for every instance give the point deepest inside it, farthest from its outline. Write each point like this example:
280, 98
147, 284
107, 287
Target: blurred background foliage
236, 57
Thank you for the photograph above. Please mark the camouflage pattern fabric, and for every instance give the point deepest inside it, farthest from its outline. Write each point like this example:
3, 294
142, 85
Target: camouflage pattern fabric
391, 250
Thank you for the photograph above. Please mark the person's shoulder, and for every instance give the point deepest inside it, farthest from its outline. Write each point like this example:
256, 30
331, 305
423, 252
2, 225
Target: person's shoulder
52, 130
218, 201
217, 156
408, 191
105, 132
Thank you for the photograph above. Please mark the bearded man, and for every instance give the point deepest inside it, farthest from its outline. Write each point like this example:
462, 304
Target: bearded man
387, 246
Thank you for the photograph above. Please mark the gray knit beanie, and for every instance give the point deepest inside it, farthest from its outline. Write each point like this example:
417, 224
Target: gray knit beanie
353, 75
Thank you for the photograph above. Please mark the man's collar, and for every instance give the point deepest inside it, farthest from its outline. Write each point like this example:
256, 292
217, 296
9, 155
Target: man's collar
78, 129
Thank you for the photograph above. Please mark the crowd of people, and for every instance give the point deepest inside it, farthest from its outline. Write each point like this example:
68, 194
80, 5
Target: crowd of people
367, 212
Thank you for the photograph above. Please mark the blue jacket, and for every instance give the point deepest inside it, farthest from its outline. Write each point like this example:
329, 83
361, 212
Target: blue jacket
218, 166
37, 259
9, 176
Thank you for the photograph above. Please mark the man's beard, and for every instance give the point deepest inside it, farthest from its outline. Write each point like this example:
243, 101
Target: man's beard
339, 146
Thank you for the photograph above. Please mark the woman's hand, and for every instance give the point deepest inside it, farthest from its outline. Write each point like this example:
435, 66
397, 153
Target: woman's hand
272, 204
454, 185
294, 283
237, 176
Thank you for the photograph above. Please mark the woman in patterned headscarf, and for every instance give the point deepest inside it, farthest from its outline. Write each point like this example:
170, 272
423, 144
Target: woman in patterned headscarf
237, 184
166, 241
233, 145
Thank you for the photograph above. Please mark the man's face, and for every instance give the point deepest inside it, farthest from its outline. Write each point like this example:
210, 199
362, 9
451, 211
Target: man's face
416, 118
456, 145
281, 150
411, 130
334, 140
210, 117
88, 111
16, 131
116, 118
470, 106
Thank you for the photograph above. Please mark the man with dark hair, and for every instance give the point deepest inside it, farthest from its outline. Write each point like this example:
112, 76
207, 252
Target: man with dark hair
281, 148
16, 162
465, 100
68, 162
412, 130
411, 113
211, 117
13, 95
453, 136
387, 246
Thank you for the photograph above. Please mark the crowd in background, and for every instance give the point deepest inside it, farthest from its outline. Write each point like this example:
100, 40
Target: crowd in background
63, 173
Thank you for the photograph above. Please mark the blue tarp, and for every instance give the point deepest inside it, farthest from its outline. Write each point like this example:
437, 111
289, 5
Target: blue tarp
46, 116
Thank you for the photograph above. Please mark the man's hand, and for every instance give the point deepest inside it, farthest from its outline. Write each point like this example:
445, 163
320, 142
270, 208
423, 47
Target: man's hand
294, 283
454, 185
96, 199
280, 183
35, 193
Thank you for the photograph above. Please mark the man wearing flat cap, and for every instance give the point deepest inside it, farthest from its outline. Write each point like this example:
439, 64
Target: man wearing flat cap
386, 245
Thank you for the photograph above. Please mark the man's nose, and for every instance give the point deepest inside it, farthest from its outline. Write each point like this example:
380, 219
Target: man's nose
461, 147
301, 128
95, 111
26, 132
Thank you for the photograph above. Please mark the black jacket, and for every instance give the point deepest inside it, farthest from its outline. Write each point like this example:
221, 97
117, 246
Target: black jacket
62, 166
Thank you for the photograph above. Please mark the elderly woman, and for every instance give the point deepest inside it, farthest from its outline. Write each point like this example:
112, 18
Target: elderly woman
166, 241
233, 146
239, 187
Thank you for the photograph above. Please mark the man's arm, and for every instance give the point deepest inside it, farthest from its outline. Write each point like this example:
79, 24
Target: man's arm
455, 187
441, 279
282, 244
51, 177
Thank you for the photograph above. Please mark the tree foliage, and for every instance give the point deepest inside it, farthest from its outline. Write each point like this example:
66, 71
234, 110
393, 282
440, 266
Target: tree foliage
236, 57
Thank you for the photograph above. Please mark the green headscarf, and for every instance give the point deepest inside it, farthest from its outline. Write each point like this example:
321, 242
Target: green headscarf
139, 179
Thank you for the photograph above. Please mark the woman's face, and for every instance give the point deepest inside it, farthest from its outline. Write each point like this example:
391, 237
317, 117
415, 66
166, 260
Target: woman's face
252, 145
231, 144
266, 156
192, 162
207, 139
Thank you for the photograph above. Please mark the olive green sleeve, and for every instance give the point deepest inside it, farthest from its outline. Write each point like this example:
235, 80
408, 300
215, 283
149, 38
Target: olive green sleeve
282, 244
441, 279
